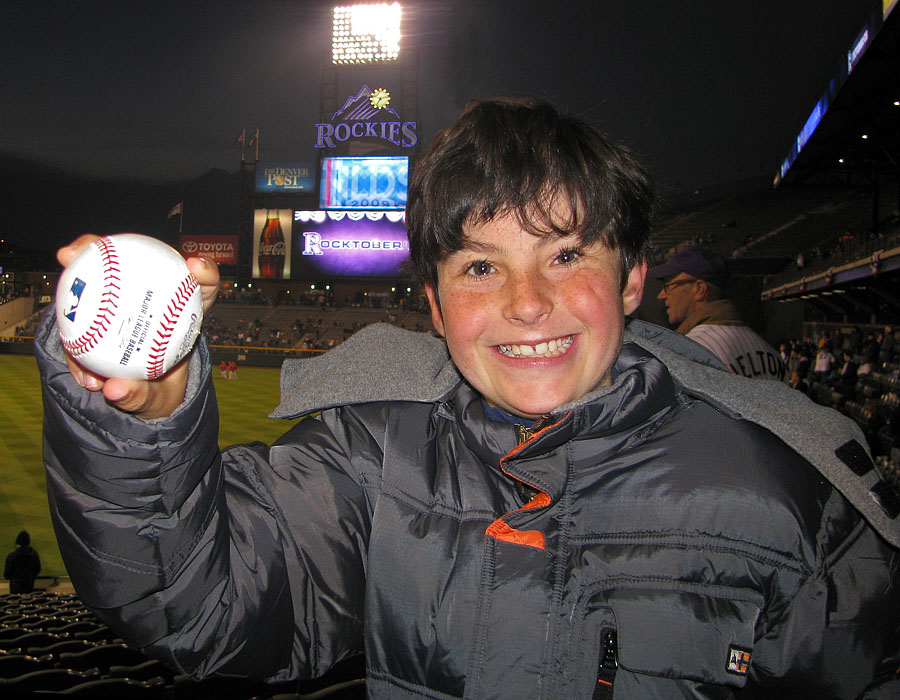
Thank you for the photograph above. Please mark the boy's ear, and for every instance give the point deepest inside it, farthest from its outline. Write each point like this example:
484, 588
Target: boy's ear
633, 291
437, 318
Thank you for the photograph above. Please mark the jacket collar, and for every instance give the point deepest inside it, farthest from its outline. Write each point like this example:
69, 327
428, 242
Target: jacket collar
720, 312
385, 363
642, 389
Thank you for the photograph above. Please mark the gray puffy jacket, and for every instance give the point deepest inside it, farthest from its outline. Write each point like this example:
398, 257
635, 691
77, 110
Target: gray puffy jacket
654, 540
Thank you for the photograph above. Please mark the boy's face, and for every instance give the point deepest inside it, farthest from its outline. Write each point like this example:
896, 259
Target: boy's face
532, 323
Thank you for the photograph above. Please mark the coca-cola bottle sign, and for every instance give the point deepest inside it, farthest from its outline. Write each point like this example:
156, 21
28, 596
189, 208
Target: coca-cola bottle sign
271, 251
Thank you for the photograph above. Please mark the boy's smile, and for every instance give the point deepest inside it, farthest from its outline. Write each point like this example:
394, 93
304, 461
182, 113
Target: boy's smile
532, 322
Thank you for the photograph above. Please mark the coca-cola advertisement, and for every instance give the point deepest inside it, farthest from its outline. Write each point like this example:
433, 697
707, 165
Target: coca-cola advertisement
221, 249
272, 244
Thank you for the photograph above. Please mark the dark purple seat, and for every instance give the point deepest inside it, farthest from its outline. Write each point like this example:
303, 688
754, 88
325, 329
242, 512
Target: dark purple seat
102, 656
45, 679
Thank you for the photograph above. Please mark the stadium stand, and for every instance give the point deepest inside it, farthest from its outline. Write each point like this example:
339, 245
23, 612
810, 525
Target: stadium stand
827, 238
81, 656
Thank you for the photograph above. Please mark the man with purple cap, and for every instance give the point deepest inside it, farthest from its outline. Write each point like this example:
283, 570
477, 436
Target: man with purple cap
694, 294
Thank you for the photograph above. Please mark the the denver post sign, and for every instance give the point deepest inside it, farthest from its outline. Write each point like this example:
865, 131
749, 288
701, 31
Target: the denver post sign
367, 114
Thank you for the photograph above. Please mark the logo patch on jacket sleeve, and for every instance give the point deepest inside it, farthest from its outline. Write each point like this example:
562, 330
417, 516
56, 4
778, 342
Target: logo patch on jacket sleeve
738, 661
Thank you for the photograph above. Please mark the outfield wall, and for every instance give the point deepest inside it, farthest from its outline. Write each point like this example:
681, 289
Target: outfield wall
15, 312
17, 346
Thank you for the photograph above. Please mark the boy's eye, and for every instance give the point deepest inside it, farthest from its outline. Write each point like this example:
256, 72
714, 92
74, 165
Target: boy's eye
568, 256
479, 268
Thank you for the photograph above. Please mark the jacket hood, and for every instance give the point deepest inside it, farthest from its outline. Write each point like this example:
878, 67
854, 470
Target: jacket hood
366, 369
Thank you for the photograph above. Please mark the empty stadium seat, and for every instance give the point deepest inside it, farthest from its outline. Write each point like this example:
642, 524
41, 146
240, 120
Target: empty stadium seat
31, 638
66, 645
102, 656
100, 634
12, 632
12, 665
46, 679
151, 668
120, 688
75, 627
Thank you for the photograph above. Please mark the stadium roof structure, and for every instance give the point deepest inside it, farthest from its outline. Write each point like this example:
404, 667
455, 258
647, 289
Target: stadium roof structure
852, 140
851, 136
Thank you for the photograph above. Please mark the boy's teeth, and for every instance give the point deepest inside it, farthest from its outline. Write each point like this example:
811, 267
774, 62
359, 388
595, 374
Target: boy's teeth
549, 348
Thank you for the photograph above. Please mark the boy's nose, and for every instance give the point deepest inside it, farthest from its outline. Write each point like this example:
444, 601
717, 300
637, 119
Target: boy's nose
529, 298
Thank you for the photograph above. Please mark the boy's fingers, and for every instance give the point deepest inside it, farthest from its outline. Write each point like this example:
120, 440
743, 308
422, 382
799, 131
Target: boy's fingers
126, 394
149, 399
136, 396
68, 253
85, 378
207, 273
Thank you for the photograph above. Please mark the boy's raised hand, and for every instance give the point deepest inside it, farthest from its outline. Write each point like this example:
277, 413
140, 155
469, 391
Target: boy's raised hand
146, 399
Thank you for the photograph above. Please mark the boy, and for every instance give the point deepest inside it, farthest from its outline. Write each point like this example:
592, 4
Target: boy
555, 513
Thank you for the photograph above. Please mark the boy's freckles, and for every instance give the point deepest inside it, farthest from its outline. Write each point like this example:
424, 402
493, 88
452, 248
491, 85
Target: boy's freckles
532, 323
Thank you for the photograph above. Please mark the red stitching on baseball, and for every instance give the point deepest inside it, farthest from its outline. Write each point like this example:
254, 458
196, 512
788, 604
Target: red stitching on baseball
109, 301
156, 355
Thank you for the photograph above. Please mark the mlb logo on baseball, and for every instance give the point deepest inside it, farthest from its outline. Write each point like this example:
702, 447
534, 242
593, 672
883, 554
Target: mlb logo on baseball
75, 292
128, 307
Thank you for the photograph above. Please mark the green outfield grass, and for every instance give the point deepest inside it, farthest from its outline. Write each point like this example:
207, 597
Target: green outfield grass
244, 406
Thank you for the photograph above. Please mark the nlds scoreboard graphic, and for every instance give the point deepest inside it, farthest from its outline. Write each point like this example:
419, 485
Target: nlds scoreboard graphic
364, 182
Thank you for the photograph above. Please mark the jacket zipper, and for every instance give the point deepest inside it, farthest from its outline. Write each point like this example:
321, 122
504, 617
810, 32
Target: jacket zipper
609, 662
523, 434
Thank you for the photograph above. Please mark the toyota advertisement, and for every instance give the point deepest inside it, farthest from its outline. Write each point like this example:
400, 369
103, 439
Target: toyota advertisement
221, 249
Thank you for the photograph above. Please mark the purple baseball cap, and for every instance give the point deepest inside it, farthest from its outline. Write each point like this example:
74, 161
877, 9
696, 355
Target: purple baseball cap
697, 262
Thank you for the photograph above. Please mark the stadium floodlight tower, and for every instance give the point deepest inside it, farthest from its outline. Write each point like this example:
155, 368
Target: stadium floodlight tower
365, 53
366, 33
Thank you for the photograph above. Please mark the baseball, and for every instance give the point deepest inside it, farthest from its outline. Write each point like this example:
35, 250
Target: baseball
128, 307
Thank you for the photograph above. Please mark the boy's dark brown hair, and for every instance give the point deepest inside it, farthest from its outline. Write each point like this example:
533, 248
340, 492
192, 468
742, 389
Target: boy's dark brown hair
523, 157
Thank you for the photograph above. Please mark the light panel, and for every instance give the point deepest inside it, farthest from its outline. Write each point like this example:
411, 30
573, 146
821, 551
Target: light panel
367, 33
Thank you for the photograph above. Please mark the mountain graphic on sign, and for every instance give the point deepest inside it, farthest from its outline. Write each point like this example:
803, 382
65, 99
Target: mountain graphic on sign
357, 108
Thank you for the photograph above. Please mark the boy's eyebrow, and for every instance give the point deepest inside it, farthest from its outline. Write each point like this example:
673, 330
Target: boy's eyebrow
479, 246
475, 246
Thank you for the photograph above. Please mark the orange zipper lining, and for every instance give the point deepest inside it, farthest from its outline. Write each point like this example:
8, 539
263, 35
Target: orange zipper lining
500, 529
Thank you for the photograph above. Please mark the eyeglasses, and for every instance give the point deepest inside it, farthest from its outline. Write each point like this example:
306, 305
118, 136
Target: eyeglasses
669, 286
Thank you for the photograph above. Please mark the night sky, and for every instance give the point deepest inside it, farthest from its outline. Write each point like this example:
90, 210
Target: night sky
159, 90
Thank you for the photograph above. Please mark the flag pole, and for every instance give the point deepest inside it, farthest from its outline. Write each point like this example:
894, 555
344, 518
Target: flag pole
255, 140
241, 140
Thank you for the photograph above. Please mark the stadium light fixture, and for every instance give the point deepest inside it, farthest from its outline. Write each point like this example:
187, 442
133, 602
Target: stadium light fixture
368, 33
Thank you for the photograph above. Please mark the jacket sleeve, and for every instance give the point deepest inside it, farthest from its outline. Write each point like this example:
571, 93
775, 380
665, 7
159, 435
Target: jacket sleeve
839, 635
249, 562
